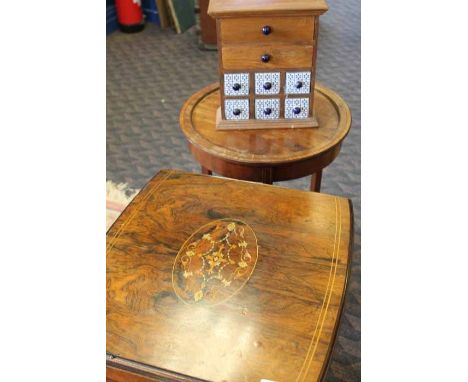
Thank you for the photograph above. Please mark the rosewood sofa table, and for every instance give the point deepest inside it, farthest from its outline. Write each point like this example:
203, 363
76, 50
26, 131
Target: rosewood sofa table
206, 282
265, 156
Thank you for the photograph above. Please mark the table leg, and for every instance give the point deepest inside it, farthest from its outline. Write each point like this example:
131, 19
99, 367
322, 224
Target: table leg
316, 181
266, 175
205, 171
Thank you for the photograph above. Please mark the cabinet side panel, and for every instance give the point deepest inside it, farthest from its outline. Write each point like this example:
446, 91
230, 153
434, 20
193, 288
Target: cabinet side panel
313, 70
220, 67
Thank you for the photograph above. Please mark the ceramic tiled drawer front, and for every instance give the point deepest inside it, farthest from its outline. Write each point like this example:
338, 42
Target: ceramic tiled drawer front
236, 84
267, 108
236, 109
297, 82
267, 83
296, 108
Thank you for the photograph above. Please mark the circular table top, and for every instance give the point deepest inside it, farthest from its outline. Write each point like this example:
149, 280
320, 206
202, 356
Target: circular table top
198, 123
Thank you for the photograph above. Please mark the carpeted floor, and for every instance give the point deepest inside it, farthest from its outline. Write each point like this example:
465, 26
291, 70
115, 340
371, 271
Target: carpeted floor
151, 74
118, 196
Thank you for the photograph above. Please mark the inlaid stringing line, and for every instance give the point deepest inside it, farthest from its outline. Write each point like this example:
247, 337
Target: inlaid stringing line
325, 296
329, 296
137, 210
326, 292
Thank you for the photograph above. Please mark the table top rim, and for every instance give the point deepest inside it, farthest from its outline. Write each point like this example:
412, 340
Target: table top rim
205, 145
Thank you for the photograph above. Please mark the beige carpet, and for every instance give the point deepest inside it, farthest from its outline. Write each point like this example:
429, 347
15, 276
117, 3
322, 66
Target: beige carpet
118, 195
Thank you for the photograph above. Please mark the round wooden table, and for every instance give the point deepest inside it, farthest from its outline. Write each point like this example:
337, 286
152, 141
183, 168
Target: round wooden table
265, 156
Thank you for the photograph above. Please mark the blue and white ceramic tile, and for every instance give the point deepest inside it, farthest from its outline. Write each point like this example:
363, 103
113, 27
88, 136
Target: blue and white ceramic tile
292, 78
262, 78
236, 78
291, 103
265, 103
232, 104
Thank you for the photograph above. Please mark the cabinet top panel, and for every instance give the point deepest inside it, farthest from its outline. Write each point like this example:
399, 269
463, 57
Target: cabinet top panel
232, 8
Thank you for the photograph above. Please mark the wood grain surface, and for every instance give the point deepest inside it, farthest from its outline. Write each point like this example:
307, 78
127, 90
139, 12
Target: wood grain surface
279, 326
292, 30
282, 56
230, 8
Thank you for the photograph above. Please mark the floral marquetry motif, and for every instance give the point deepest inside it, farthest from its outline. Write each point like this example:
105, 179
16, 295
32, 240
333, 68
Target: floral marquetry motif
215, 262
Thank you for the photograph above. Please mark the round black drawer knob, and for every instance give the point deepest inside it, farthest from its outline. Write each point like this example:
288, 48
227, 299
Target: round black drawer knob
266, 58
299, 84
267, 111
236, 111
267, 85
236, 87
266, 30
296, 110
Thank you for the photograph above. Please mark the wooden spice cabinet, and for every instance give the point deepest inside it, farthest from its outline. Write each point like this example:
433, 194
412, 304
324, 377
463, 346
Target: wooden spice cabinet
267, 55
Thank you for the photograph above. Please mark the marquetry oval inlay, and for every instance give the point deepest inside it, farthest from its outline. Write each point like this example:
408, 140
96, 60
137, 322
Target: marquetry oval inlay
215, 262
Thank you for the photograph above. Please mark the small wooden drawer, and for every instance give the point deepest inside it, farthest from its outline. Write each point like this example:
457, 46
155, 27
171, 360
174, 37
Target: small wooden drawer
236, 109
236, 84
297, 83
266, 57
267, 83
267, 30
296, 108
267, 108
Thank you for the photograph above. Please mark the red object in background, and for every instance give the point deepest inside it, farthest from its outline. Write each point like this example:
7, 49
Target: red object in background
129, 15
